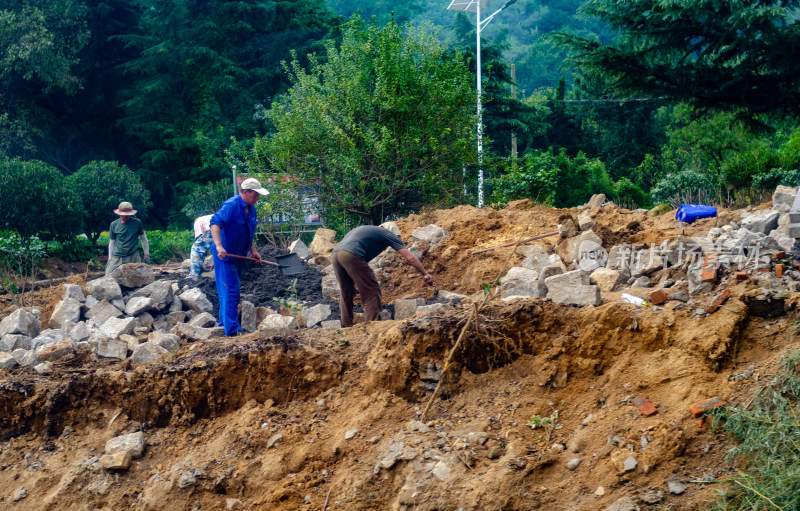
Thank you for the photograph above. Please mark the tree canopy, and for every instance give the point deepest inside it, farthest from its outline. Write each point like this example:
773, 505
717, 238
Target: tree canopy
727, 55
382, 126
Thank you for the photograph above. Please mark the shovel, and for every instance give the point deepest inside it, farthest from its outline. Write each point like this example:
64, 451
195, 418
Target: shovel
289, 264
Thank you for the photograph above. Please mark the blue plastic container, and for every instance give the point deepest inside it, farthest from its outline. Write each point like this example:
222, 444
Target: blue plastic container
688, 213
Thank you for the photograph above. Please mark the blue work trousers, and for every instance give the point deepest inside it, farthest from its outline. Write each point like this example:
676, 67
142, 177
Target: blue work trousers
228, 277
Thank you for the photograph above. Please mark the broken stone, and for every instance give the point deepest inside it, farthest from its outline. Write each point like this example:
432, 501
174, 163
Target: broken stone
331, 323
573, 463
7, 361
248, 317
623, 504
759, 222
442, 471
167, 341
188, 331
585, 220
138, 305
323, 242
274, 439
112, 348
316, 314
300, 248
147, 352
196, 300
20, 322
114, 327
431, 234
133, 443
406, 307
350, 433
596, 201
117, 461
133, 275
73, 291
605, 278
11, 342
105, 288
575, 295
450, 296
330, 287
676, 486
277, 325
520, 282
434, 307
203, 320
55, 350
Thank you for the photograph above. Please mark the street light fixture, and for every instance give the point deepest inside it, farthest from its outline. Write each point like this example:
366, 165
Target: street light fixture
476, 6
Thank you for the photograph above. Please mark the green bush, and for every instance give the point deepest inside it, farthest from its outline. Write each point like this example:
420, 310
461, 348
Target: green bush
168, 246
36, 200
686, 187
770, 179
769, 451
631, 195
579, 178
18, 255
101, 186
77, 249
533, 176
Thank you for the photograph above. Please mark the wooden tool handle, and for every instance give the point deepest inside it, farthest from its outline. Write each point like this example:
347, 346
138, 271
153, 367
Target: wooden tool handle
515, 242
245, 258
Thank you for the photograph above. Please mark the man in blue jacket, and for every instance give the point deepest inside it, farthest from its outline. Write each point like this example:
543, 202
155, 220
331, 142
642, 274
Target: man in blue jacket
232, 229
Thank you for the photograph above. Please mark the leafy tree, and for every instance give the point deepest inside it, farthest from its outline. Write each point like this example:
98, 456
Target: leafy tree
37, 200
39, 43
382, 127
383, 10
729, 55
101, 186
194, 200
200, 70
533, 176
579, 178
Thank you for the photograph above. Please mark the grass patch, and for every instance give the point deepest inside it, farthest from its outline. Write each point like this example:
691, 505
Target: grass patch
769, 432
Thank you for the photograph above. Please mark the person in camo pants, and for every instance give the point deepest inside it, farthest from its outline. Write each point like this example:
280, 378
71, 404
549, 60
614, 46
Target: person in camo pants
202, 245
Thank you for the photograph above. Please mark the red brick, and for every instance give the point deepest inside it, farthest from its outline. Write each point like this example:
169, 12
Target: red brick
740, 276
710, 268
701, 407
658, 297
796, 265
718, 300
779, 270
644, 406
779, 255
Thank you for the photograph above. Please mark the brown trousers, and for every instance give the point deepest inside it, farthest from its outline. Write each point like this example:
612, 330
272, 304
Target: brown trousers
354, 273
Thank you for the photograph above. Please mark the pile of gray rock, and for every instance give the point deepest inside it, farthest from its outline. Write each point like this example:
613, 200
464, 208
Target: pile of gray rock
130, 314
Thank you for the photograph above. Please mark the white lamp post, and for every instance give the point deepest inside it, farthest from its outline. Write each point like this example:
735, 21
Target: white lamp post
476, 6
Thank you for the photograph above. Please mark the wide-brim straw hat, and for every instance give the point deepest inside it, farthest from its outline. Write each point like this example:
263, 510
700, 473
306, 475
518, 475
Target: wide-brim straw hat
125, 209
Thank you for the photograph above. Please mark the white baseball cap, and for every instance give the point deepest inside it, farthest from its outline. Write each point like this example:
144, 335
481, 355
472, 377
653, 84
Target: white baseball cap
253, 184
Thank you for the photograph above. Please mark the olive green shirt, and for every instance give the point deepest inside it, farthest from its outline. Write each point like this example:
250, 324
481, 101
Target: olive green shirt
126, 236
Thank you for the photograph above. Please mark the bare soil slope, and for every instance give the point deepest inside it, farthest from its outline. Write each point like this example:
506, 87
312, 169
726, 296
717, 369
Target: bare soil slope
329, 419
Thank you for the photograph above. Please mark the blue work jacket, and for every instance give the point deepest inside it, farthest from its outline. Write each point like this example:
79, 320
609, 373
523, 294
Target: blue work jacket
236, 229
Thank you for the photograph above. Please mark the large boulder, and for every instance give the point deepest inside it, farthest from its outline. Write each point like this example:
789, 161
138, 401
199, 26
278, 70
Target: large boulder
783, 197
11, 342
760, 221
196, 333
20, 322
112, 348
66, 311
196, 300
104, 288
248, 317
431, 234
575, 295
316, 314
54, 350
133, 443
300, 248
137, 305
406, 307
133, 275
73, 291
323, 242
114, 327
160, 293
569, 249
277, 325
607, 279
147, 352
520, 281
101, 312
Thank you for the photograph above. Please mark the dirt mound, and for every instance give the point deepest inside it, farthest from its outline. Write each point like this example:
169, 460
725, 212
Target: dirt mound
537, 409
